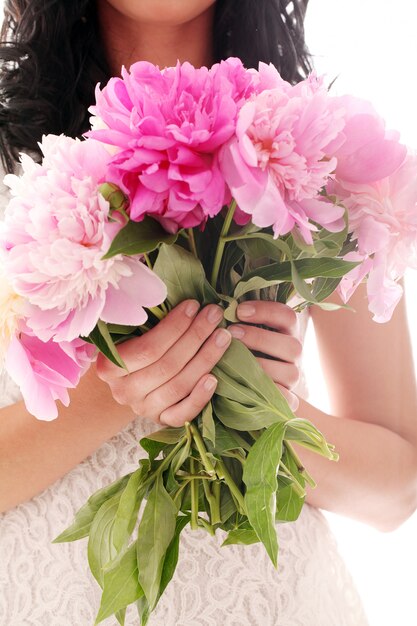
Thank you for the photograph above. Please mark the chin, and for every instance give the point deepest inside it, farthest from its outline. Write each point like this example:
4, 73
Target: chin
169, 12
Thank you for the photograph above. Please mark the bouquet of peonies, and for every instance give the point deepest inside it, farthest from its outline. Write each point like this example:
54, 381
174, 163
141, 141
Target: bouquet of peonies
212, 184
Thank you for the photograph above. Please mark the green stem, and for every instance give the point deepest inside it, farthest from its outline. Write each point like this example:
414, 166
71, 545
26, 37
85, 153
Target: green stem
191, 242
221, 243
166, 461
296, 485
178, 494
235, 454
209, 528
223, 473
147, 260
198, 440
299, 464
213, 503
194, 498
157, 312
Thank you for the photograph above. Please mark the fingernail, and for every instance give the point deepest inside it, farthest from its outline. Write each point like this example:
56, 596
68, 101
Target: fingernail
214, 314
210, 383
245, 310
222, 337
237, 331
192, 308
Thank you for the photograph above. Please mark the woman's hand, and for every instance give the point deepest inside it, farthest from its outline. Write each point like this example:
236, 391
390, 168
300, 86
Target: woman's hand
281, 342
169, 380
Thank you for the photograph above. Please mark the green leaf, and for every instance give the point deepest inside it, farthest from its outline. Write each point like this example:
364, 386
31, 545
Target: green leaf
156, 530
121, 617
227, 504
183, 276
209, 427
171, 556
241, 379
242, 536
159, 440
230, 312
260, 245
120, 329
226, 440
139, 237
167, 435
144, 610
332, 306
307, 435
260, 477
121, 585
324, 287
102, 339
306, 268
256, 249
129, 504
100, 544
289, 504
231, 257
153, 448
239, 416
180, 458
302, 288
254, 283
85, 516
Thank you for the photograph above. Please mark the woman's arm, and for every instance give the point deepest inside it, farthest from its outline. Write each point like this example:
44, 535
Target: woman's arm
170, 366
371, 382
34, 454
370, 376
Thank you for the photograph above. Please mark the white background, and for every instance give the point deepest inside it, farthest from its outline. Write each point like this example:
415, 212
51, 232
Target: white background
371, 45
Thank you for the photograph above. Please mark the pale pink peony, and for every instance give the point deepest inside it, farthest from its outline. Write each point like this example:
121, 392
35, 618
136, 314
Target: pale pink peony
383, 219
168, 127
277, 163
55, 233
45, 371
365, 151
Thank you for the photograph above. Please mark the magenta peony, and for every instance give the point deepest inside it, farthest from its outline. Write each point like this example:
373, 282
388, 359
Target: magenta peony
168, 127
277, 163
55, 233
383, 219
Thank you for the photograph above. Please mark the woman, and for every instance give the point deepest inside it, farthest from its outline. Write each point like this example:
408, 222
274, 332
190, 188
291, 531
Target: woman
47, 470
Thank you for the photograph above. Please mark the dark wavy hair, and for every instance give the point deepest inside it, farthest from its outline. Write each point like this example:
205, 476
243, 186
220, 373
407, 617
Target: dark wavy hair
51, 58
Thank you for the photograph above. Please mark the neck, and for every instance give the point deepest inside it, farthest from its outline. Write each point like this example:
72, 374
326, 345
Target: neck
127, 41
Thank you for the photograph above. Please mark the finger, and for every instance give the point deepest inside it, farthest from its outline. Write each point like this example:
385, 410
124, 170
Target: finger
290, 397
192, 405
177, 357
286, 374
142, 351
181, 385
273, 314
278, 345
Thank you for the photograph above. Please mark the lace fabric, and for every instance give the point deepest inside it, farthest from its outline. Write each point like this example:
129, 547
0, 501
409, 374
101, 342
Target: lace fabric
45, 584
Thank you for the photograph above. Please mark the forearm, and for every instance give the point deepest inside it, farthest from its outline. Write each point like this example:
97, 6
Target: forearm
34, 454
375, 479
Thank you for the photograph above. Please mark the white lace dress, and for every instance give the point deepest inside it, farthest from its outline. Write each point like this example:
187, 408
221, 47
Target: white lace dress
45, 584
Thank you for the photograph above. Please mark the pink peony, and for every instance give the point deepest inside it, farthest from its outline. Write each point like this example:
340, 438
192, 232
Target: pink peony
383, 219
55, 233
45, 371
366, 152
168, 127
276, 164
